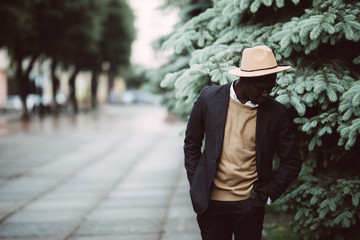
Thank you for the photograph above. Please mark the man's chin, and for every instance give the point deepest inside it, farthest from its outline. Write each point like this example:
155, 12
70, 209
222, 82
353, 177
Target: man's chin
259, 100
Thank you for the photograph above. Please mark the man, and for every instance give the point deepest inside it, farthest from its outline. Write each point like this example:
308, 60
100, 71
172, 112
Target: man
231, 179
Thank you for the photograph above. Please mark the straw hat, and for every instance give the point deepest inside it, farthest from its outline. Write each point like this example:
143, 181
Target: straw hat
257, 61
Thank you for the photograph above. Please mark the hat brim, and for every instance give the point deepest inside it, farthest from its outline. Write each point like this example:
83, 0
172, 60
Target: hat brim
239, 73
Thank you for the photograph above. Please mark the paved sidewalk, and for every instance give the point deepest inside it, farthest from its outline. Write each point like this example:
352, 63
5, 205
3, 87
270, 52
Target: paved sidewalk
114, 174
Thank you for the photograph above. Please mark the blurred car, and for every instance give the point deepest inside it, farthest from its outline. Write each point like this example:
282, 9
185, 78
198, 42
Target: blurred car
33, 102
12, 103
133, 96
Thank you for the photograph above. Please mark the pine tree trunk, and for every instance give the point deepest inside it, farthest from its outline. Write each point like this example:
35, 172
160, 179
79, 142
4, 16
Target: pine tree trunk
72, 89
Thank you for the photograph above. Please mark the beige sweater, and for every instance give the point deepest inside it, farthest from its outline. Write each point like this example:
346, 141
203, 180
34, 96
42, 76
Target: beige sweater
237, 167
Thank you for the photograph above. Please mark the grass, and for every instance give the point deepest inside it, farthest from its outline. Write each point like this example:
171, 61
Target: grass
277, 224
279, 233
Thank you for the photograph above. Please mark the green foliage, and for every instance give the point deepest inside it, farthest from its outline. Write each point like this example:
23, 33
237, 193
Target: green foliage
99, 31
307, 89
325, 203
135, 77
320, 38
76, 34
15, 17
350, 109
117, 35
60, 23
188, 10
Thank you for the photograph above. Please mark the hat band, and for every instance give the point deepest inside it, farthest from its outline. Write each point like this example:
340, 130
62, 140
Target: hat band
258, 69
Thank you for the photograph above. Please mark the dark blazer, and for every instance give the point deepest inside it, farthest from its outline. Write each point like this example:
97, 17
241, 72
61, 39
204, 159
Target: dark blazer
273, 134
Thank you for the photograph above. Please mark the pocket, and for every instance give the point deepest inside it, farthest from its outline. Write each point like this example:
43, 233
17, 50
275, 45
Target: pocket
257, 200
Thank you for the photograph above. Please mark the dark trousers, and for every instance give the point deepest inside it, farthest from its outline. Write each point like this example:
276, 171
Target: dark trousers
222, 219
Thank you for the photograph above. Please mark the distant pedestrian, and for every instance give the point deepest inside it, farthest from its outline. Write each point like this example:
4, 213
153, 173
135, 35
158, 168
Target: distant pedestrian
232, 178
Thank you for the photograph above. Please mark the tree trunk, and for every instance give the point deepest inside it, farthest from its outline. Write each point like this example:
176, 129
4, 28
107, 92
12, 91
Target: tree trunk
22, 87
111, 79
72, 91
94, 84
55, 87
28, 70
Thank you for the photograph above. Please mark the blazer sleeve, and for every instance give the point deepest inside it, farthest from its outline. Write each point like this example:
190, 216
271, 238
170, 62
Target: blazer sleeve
194, 136
290, 161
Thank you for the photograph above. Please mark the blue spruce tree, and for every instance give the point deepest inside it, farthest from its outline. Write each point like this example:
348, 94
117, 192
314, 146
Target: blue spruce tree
320, 38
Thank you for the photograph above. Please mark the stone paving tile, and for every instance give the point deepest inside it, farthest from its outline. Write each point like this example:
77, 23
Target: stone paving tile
115, 214
182, 200
24, 186
149, 193
183, 224
136, 184
181, 236
61, 204
145, 236
41, 216
6, 206
181, 211
46, 155
19, 194
131, 201
181, 221
22, 157
181, 197
35, 238
143, 185
66, 163
137, 208
36, 230
124, 226
65, 193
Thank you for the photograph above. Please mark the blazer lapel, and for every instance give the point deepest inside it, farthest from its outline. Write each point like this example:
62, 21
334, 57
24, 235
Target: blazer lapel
221, 106
262, 121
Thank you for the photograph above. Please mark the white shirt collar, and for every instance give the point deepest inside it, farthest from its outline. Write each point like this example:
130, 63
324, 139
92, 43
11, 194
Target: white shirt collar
233, 96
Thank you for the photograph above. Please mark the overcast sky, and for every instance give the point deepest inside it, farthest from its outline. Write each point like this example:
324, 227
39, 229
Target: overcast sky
151, 24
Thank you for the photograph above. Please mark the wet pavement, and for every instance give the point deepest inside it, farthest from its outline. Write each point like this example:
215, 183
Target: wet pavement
113, 174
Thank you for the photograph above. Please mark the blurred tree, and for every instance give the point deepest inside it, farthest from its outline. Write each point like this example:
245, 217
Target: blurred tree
18, 34
118, 33
62, 30
50, 17
76, 35
187, 10
85, 35
135, 77
321, 39
82, 24
67, 29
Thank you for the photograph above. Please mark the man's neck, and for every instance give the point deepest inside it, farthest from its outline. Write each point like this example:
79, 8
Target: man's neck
239, 92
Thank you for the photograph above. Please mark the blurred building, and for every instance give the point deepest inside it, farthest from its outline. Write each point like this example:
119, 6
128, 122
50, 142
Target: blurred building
4, 63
